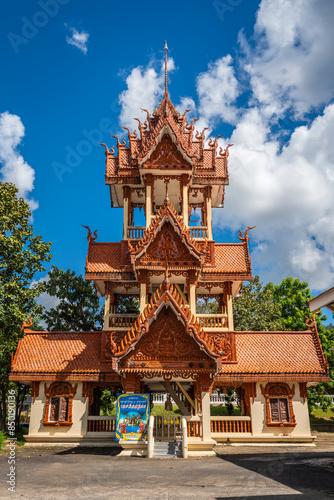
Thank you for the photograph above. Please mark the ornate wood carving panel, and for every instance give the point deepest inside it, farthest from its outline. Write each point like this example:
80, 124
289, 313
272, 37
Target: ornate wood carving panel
167, 244
167, 345
166, 155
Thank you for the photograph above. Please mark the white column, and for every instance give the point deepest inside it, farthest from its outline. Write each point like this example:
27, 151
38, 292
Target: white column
230, 313
106, 312
125, 218
185, 205
209, 218
206, 418
192, 298
142, 297
148, 205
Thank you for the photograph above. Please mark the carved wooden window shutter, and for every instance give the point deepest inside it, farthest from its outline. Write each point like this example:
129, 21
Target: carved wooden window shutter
54, 410
279, 407
59, 403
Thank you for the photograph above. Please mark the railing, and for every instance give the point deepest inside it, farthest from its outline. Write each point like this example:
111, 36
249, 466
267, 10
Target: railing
150, 437
198, 232
122, 320
101, 424
136, 232
213, 320
194, 428
184, 438
230, 424
167, 426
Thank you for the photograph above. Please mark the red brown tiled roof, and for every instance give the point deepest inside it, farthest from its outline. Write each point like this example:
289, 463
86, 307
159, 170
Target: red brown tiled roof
231, 258
103, 257
276, 355
68, 355
261, 356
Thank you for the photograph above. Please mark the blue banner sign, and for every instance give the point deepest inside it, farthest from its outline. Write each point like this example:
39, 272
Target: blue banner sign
132, 416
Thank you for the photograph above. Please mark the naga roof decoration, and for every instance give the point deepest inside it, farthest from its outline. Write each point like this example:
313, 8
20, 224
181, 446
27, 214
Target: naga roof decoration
166, 127
167, 213
167, 296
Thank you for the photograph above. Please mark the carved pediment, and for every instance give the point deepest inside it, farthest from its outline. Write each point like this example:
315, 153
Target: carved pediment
166, 155
168, 244
168, 344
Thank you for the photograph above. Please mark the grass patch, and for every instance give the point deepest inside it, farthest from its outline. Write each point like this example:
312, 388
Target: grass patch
221, 411
318, 416
3, 438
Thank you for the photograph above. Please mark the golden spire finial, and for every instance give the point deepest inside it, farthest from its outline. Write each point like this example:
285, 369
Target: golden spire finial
166, 50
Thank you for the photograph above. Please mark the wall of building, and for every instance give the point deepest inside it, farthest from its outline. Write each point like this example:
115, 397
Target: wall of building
259, 418
79, 416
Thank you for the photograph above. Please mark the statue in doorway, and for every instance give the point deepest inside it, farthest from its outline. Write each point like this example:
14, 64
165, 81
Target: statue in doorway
168, 404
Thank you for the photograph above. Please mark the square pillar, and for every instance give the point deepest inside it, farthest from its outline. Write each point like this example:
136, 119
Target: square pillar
206, 417
142, 297
192, 297
106, 312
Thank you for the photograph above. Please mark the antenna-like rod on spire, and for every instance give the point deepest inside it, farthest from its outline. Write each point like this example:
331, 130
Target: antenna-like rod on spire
166, 50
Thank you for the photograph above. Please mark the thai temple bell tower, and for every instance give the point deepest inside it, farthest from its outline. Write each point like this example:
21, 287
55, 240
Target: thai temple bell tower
167, 264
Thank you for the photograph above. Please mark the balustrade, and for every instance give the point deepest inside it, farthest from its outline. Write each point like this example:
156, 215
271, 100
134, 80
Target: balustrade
136, 232
194, 428
213, 320
122, 320
101, 424
230, 424
198, 232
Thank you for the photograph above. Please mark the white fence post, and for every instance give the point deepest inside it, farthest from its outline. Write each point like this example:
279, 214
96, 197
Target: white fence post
184, 438
150, 438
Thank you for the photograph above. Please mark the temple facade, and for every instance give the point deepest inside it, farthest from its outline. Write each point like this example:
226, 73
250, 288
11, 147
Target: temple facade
166, 171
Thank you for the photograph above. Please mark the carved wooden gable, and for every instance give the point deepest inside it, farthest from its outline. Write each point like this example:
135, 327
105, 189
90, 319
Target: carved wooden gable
167, 156
168, 345
168, 244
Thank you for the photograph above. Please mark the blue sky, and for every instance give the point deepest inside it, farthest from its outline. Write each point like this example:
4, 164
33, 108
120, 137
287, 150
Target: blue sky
262, 73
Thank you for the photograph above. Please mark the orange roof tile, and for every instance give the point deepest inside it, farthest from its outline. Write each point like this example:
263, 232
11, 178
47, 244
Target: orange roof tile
278, 354
63, 353
103, 257
230, 258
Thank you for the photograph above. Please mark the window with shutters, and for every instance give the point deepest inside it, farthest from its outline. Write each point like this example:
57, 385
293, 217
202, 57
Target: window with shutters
58, 410
279, 407
279, 410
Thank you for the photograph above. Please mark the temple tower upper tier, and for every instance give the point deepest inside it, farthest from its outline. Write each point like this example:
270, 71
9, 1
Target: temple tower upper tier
166, 152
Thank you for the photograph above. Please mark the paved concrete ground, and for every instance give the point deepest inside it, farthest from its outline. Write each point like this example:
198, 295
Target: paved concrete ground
236, 473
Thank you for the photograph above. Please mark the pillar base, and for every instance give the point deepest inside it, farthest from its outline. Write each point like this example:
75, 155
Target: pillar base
133, 448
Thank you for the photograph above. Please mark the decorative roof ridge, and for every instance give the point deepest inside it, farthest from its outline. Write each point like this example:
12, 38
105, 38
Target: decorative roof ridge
38, 332
285, 332
151, 231
165, 293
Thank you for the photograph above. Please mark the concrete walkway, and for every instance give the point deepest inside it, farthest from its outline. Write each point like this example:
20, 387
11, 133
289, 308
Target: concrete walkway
236, 473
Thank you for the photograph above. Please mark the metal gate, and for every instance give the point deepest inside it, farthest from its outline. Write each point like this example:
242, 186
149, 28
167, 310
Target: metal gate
167, 427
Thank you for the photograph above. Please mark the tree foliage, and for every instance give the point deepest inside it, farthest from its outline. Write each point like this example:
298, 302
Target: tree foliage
127, 305
284, 307
79, 306
256, 309
22, 255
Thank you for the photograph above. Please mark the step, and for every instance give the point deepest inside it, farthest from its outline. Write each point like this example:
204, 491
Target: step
167, 449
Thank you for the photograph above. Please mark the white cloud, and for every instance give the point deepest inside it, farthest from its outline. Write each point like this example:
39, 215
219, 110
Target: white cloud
287, 194
78, 38
291, 63
13, 166
145, 87
44, 299
217, 91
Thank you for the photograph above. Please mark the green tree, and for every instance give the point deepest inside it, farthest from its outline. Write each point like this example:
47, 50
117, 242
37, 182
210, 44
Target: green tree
256, 309
79, 306
292, 296
207, 306
127, 305
22, 255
